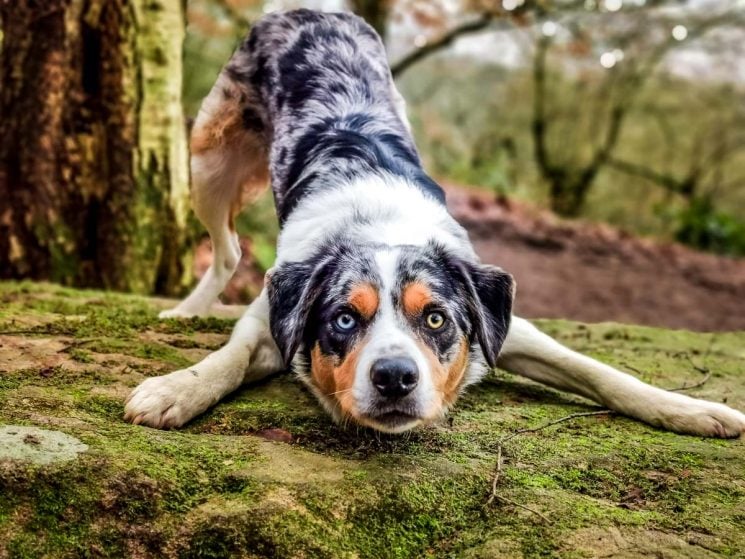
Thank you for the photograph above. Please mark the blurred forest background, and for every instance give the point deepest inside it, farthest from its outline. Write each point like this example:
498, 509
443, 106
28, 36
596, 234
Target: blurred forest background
625, 112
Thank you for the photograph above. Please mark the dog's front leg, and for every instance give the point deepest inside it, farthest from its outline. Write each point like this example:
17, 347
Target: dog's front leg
530, 353
172, 400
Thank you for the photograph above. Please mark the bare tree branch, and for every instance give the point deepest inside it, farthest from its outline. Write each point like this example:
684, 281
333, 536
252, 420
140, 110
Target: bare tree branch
539, 125
668, 182
568, 183
445, 40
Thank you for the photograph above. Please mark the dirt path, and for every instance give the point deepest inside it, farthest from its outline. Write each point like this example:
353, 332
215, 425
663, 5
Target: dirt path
595, 273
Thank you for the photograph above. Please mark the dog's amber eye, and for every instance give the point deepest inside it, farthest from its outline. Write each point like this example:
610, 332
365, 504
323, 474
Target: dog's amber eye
345, 322
435, 320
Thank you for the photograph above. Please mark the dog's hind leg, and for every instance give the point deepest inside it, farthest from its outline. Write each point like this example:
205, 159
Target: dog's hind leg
530, 353
172, 400
228, 169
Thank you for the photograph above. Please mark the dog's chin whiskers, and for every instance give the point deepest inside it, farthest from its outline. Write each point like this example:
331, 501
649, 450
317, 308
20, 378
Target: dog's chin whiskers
339, 392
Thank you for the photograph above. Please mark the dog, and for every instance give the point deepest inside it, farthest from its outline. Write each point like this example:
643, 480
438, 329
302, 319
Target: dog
377, 299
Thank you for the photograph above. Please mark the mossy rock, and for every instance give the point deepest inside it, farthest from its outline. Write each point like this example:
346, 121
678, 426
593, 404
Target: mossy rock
267, 474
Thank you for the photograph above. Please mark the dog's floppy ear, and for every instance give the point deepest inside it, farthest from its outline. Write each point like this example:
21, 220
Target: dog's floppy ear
293, 288
489, 291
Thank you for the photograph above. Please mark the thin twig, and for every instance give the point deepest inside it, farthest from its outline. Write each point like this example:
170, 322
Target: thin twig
545, 518
691, 386
497, 474
494, 495
630, 368
442, 41
555, 422
703, 369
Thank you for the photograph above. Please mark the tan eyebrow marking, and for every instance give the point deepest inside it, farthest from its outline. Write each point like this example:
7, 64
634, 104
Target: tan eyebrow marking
364, 299
416, 296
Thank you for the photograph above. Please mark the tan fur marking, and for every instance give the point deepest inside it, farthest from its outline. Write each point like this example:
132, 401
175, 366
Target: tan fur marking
416, 296
335, 380
219, 121
238, 157
455, 374
447, 378
364, 299
322, 371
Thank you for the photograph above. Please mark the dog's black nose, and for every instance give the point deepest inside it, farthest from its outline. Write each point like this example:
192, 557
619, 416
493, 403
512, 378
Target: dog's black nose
394, 377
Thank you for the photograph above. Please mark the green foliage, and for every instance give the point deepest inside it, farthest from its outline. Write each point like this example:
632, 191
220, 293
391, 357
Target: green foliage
702, 226
464, 135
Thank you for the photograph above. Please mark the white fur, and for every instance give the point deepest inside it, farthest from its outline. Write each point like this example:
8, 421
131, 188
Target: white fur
172, 400
400, 213
388, 337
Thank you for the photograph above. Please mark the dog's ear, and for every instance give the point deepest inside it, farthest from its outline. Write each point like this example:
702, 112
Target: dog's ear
293, 288
489, 292
494, 294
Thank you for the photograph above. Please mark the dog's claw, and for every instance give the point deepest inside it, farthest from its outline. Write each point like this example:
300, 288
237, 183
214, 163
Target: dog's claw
708, 419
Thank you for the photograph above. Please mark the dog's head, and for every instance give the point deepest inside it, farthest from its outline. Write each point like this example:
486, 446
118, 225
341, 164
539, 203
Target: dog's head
389, 335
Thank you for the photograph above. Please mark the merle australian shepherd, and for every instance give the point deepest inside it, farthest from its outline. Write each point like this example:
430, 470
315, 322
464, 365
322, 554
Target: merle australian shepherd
377, 299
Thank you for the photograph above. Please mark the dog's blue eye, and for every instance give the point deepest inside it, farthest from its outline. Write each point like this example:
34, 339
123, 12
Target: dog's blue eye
345, 322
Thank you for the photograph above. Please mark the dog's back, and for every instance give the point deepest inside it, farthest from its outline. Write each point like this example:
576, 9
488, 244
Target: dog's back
317, 89
308, 101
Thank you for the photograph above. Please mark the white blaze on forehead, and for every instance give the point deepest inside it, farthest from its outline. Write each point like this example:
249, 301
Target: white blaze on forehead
389, 336
376, 208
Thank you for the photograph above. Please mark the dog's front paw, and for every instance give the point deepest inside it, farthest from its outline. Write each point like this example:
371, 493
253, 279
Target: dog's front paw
165, 402
708, 419
178, 312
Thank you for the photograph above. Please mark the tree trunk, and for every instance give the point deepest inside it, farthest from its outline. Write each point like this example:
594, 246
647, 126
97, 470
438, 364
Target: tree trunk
567, 196
93, 158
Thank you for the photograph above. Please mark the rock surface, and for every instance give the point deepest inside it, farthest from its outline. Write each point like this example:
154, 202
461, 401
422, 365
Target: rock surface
267, 474
37, 446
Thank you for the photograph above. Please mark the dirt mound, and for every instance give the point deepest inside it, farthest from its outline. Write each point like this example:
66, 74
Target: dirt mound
594, 273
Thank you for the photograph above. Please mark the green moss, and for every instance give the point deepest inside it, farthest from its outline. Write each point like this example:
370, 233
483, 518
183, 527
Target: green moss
216, 489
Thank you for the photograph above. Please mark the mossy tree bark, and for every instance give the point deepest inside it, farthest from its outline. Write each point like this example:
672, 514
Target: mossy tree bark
93, 157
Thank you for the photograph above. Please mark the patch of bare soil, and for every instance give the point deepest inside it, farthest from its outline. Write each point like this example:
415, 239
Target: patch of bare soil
579, 271
594, 273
